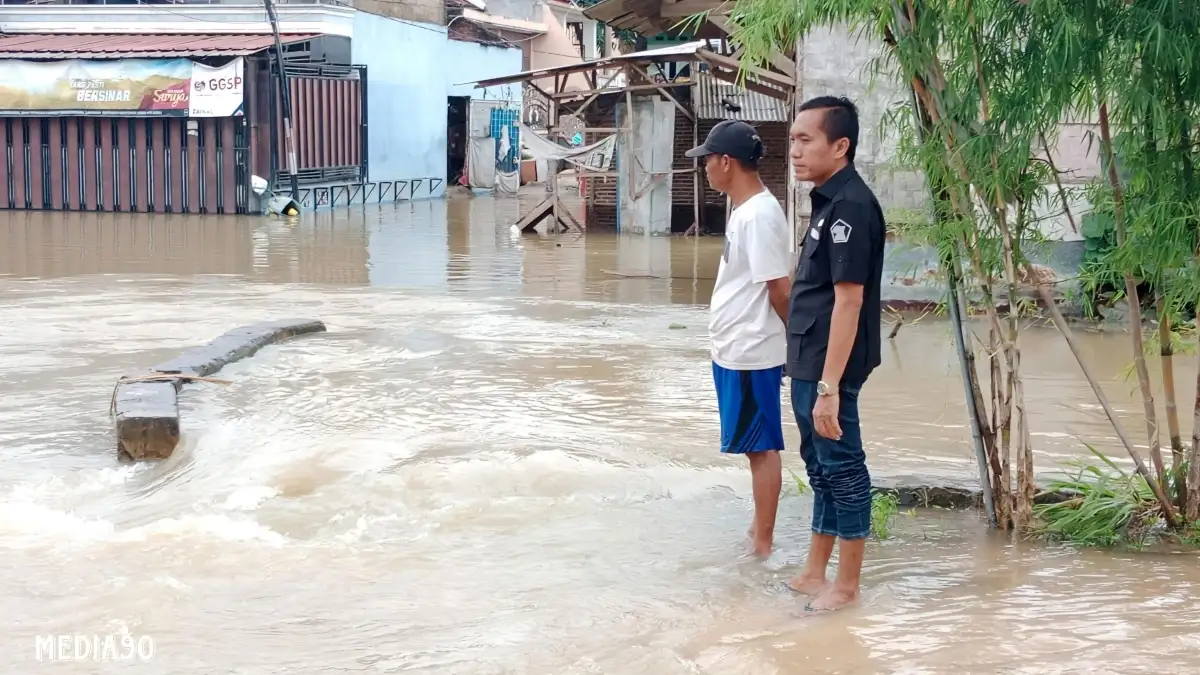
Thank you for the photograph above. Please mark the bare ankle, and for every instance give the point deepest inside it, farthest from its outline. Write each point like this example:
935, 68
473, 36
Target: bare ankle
808, 585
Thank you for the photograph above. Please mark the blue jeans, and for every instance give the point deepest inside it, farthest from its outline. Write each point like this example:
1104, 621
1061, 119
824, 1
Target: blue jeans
837, 470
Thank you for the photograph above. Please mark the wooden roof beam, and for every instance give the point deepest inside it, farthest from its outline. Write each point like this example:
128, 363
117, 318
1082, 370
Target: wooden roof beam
780, 62
682, 9
736, 64
732, 78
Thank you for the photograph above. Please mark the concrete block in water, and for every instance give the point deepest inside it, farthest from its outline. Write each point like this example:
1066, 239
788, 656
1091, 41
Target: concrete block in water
146, 407
147, 419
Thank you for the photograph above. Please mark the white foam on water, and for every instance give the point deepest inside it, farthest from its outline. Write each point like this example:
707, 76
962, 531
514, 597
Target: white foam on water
28, 524
25, 524
203, 527
249, 498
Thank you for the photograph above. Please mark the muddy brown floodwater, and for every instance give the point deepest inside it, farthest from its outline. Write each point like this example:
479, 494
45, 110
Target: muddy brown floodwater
500, 459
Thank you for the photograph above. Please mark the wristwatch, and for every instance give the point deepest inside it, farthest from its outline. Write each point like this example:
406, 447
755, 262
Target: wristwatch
824, 389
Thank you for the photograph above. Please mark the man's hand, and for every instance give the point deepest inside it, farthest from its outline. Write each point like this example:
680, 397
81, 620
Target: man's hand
779, 292
825, 417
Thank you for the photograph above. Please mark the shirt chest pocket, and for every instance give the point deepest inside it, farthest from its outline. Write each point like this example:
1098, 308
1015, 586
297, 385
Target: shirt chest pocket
813, 265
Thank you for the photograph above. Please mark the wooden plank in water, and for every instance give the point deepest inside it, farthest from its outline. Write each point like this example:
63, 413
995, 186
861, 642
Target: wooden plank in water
537, 214
146, 408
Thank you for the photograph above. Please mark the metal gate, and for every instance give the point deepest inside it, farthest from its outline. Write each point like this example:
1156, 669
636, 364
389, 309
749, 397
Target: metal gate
148, 165
329, 118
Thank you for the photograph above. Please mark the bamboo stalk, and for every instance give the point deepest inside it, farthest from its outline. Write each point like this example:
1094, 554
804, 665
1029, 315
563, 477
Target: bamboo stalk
1062, 193
1166, 352
999, 450
1192, 490
1014, 389
966, 356
1068, 335
1131, 296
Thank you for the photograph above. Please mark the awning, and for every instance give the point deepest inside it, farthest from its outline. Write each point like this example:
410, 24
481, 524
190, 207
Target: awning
648, 18
504, 23
60, 46
715, 99
683, 52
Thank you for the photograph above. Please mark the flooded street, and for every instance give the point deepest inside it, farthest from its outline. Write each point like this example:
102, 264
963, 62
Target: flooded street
501, 458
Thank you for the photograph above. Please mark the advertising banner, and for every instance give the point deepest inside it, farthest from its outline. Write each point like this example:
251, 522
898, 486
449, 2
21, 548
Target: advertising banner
122, 87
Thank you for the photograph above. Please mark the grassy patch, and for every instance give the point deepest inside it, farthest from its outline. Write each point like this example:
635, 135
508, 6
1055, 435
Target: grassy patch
1109, 507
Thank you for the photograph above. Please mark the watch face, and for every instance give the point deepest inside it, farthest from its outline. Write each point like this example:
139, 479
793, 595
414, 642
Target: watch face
822, 388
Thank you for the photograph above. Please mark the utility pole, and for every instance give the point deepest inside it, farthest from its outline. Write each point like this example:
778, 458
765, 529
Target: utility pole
286, 97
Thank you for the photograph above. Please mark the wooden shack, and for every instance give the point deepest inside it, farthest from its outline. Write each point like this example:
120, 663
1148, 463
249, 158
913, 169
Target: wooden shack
677, 94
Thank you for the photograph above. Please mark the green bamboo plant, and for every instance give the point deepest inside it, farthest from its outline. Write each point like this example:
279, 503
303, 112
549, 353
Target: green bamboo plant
1147, 90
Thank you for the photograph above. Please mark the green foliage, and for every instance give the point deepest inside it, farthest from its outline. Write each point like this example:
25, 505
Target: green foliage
884, 508
1098, 228
1032, 64
801, 485
1112, 507
1108, 506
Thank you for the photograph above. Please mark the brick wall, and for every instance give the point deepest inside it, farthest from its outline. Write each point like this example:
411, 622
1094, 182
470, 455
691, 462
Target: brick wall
601, 200
774, 166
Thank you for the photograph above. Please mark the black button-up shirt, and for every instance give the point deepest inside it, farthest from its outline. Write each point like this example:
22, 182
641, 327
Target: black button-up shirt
844, 244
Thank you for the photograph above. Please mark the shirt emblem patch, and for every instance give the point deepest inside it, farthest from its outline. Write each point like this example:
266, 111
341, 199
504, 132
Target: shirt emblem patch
840, 231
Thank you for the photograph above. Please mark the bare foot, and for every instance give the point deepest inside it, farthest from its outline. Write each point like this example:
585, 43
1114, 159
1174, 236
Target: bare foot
833, 598
806, 585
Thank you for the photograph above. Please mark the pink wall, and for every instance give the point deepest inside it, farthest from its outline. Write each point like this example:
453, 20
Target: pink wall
555, 49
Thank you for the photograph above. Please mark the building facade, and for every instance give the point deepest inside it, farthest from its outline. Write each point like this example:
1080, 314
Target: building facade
106, 106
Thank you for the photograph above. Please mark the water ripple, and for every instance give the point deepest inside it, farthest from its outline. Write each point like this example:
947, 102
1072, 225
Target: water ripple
489, 465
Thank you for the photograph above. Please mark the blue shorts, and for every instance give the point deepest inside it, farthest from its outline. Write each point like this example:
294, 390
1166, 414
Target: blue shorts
748, 401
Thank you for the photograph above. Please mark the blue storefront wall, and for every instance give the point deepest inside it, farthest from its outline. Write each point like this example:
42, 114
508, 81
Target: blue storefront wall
411, 70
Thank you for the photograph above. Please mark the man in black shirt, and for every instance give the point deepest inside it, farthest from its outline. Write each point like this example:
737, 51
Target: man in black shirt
833, 342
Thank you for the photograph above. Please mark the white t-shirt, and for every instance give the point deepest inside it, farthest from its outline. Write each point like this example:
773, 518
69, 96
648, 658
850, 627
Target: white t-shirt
746, 332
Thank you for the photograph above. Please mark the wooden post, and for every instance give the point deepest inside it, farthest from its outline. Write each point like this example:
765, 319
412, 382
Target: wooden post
793, 184
554, 222
632, 159
696, 180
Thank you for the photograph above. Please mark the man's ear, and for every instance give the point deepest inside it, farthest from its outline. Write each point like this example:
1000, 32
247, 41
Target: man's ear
840, 147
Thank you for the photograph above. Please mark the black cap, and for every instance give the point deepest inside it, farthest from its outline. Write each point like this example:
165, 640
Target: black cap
731, 137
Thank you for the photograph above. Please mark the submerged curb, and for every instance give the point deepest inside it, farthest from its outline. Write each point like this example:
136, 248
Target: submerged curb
913, 492
145, 407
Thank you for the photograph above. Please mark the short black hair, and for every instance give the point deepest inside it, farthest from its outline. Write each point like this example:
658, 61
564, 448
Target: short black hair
749, 164
841, 119
752, 161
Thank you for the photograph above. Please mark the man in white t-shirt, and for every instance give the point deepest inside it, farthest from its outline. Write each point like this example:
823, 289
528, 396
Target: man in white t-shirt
748, 316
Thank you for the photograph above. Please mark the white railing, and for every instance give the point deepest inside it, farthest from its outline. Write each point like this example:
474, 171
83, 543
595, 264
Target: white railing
344, 3
331, 17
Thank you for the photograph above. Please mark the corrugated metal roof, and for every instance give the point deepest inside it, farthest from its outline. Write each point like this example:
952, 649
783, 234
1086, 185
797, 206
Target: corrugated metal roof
712, 99
59, 46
